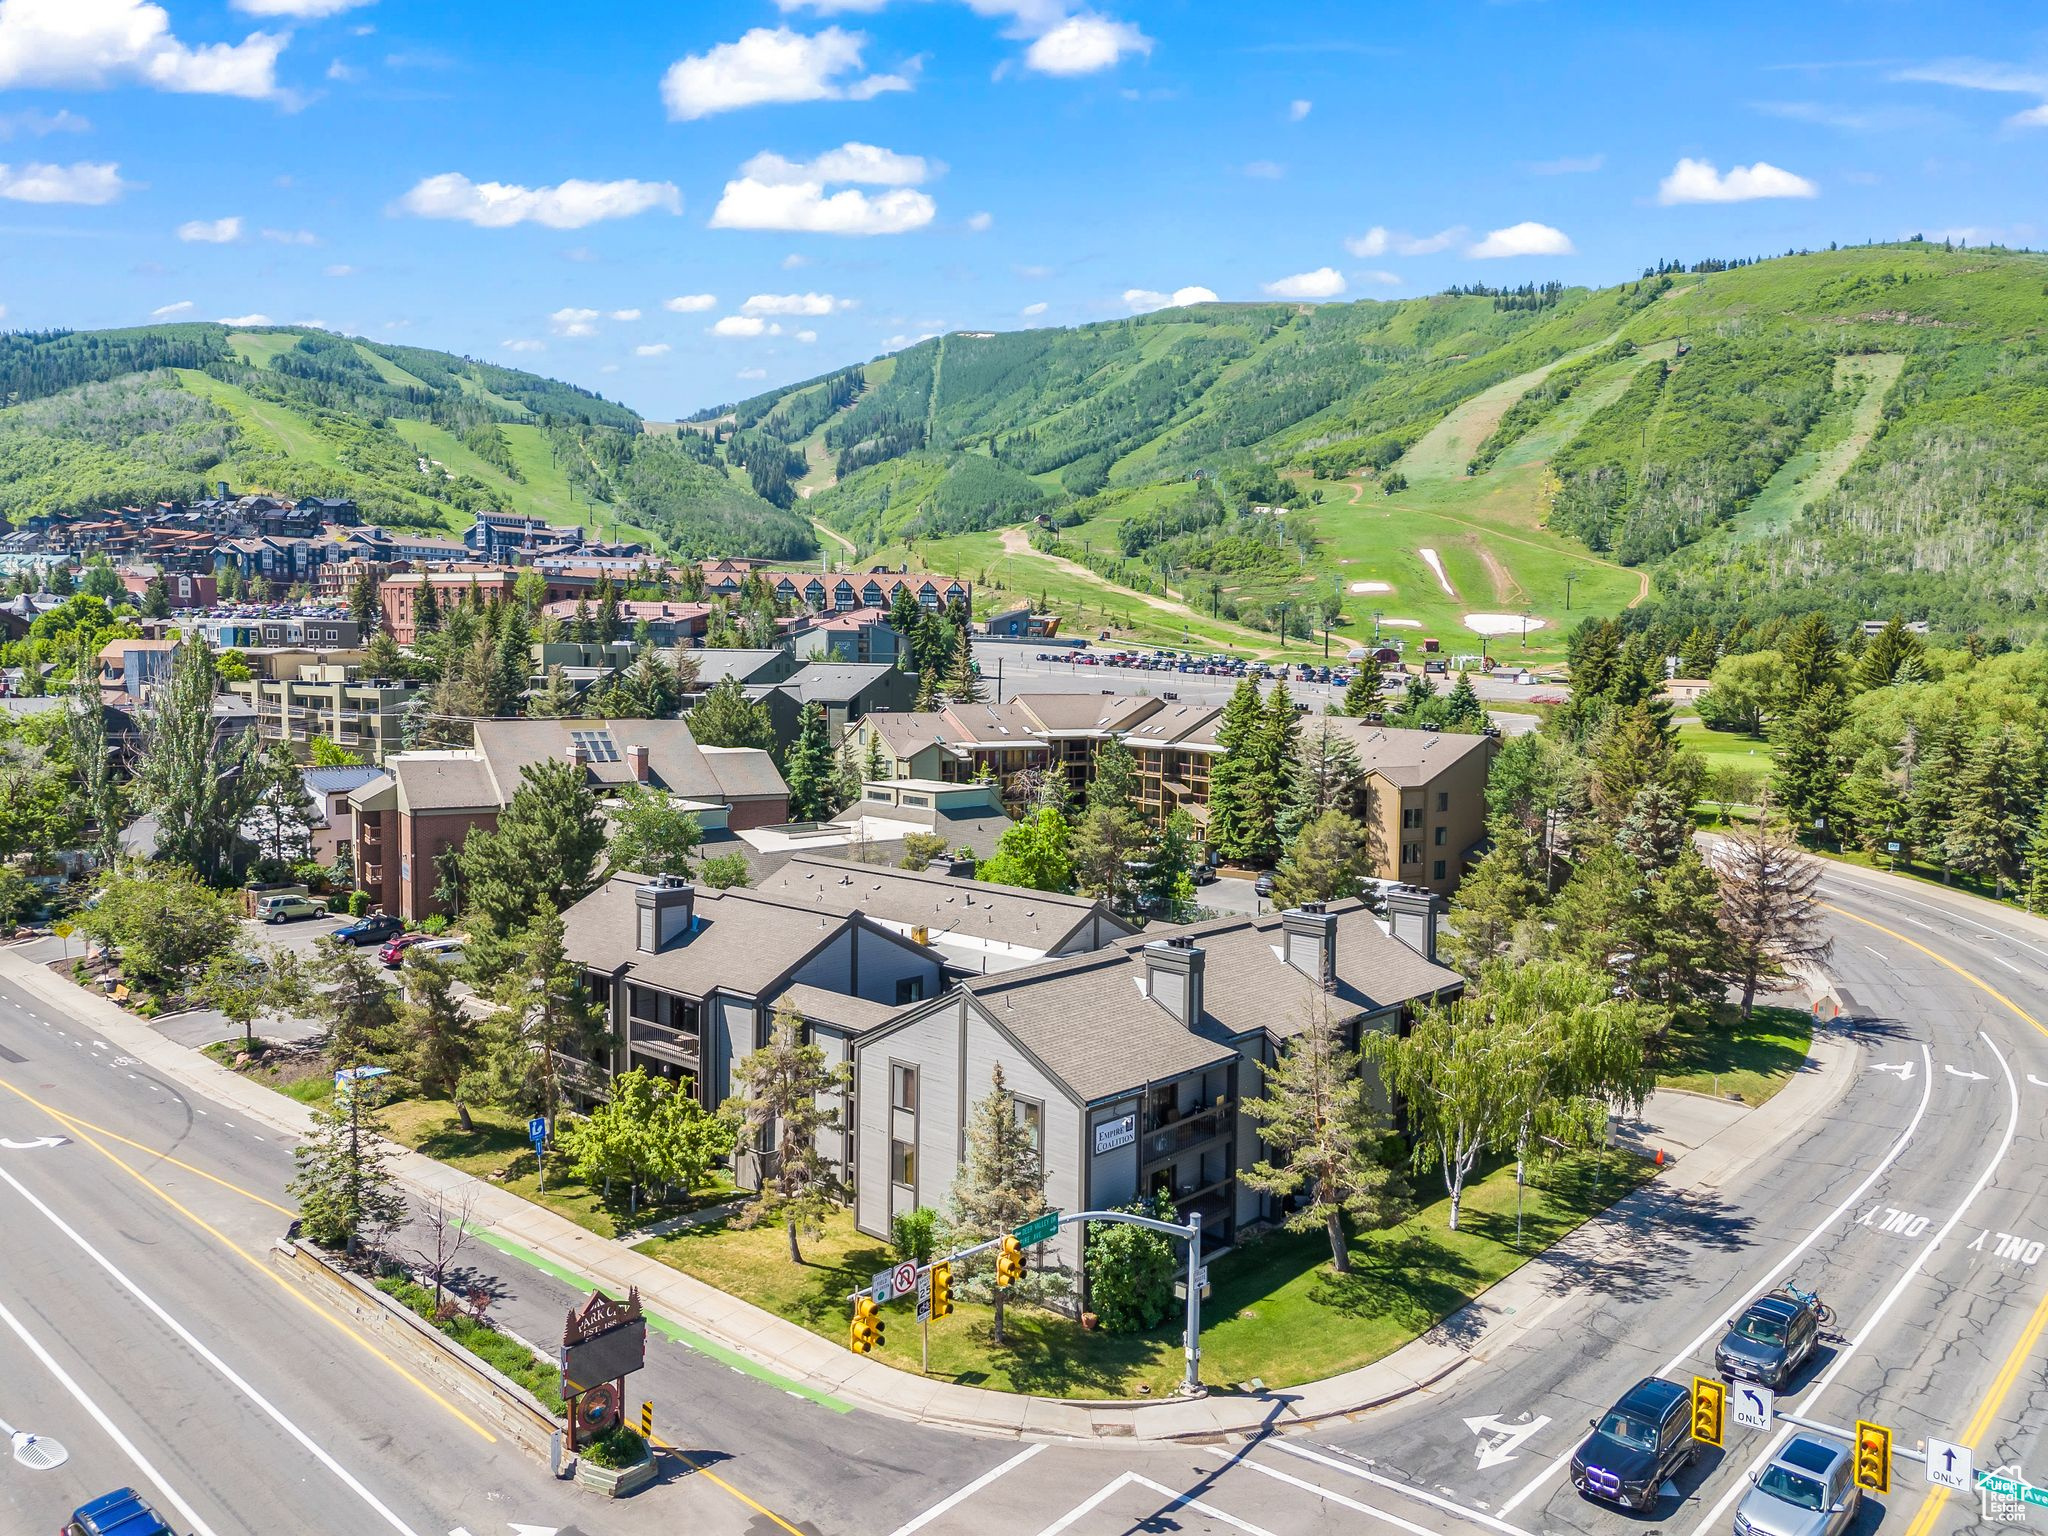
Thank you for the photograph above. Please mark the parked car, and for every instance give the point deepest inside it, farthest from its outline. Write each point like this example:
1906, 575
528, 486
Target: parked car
393, 952
1807, 1490
1644, 1440
1264, 884
286, 909
374, 929
443, 951
1775, 1336
120, 1513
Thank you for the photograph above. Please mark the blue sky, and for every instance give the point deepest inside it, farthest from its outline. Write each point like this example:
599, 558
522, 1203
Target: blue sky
597, 191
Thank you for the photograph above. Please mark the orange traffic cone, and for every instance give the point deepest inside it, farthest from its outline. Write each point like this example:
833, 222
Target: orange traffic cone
1660, 1157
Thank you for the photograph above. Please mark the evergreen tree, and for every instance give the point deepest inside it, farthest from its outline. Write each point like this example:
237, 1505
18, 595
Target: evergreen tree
876, 767
1362, 693
282, 817
426, 612
1636, 749
544, 1023
2037, 863
1493, 902
1934, 768
963, 683
1000, 1184
1115, 784
1887, 654
1322, 862
1871, 802
1806, 780
1812, 660
1462, 709
1657, 829
1108, 839
363, 605
555, 699
1770, 906
1994, 799
352, 1006
1594, 651
545, 851
1321, 1136
608, 623
438, 1038
156, 598
344, 1184
725, 717
1170, 875
1698, 653
810, 769
785, 1093
61, 582
1241, 821
1324, 775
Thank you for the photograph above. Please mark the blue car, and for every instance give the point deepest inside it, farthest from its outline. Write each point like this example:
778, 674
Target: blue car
374, 929
120, 1513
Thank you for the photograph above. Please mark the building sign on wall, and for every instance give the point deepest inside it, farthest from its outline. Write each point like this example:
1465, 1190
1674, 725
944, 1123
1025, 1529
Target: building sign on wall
1111, 1134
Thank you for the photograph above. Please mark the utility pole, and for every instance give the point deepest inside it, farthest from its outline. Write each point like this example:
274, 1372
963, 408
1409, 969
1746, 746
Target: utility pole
1569, 578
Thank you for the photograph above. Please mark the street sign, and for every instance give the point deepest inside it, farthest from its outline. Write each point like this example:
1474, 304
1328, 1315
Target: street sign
1891, 847
1753, 1405
1949, 1465
924, 1297
1038, 1229
537, 1131
903, 1278
882, 1286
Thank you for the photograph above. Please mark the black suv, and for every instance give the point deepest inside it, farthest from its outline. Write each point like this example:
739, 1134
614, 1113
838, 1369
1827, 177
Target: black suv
1771, 1340
1637, 1445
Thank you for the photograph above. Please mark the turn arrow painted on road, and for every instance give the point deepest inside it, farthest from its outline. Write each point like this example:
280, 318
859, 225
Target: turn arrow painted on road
1498, 1442
31, 1146
1975, 1077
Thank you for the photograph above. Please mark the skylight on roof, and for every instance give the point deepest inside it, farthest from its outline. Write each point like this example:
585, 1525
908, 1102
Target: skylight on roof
598, 746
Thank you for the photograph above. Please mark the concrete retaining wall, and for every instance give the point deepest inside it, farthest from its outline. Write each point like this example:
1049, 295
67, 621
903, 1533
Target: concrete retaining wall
501, 1404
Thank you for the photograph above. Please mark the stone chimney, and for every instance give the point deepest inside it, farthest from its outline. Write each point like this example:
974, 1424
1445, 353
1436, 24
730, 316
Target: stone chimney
636, 759
578, 754
663, 912
1309, 942
1173, 977
1411, 917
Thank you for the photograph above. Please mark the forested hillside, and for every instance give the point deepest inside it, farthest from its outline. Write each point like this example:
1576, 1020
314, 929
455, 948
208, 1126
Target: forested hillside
1860, 429
421, 439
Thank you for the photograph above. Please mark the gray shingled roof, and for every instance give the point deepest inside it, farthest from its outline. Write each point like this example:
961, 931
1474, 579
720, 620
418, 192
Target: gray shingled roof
740, 942
855, 1015
945, 905
1403, 757
834, 682
1089, 1020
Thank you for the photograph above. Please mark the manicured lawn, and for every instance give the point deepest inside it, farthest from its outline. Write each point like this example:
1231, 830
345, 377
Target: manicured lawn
1750, 1058
1277, 1311
1725, 749
498, 1150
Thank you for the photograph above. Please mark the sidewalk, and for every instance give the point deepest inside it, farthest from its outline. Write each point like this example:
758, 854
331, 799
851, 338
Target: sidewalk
1707, 1155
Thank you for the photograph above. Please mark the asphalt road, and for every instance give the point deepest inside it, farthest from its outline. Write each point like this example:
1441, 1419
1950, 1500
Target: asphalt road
142, 1282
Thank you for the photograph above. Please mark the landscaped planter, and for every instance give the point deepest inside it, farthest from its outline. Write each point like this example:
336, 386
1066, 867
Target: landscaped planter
615, 1482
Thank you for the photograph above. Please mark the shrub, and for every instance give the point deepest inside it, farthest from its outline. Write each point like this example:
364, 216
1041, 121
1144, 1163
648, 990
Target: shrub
1131, 1271
358, 903
618, 1447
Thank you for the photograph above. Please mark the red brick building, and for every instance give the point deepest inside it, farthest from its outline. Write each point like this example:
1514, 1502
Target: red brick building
399, 594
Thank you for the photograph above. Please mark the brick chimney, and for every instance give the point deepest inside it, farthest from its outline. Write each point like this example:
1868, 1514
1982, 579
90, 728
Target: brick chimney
578, 754
636, 759
1173, 977
663, 911
1411, 918
1309, 942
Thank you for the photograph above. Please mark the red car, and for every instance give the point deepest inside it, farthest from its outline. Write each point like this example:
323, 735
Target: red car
393, 952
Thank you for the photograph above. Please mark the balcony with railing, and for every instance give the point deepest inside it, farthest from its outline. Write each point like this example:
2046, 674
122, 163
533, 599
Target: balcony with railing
1168, 1139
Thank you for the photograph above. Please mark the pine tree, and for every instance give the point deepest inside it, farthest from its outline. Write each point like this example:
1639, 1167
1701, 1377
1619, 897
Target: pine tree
725, 717
1000, 1184
1657, 829
1108, 839
963, 683
344, 1183
1493, 902
1806, 780
1871, 802
555, 699
1888, 652
543, 1025
1321, 1135
1770, 906
156, 598
1322, 862
1115, 781
1934, 767
1362, 693
1812, 660
1241, 796
1324, 775
2037, 863
363, 605
545, 849
1698, 653
608, 623
809, 769
876, 768
352, 1006
426, 612
1999, 783
1462, 709
282, 817
438, 1038
786, 1092
1636, 749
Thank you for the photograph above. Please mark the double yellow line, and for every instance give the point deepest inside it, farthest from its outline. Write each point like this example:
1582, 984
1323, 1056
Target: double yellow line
1993, 1402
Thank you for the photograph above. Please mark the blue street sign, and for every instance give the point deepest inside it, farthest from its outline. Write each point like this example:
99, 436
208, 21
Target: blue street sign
537, 1131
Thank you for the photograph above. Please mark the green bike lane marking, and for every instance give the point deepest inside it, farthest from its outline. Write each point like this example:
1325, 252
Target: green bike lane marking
675, 1331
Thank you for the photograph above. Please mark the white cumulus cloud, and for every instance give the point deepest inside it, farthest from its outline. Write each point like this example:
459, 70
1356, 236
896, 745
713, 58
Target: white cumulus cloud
1323, 283
523, 344
85, 181
772, 192
1144, 300
1379, 240
165, 311
211, 231
738, 325
1298, 108
625, 314
573, 322
291, 236
1527, 238
807, 337
772, 64
690, 303
751, 373
981, 222
245, 320
572, 205
1379, 278
1696, 181
42, 124
97, 43
1084, 43
1030, 310
794, 304
652, 349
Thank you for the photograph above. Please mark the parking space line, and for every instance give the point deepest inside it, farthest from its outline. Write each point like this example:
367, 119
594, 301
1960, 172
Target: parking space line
960, 1496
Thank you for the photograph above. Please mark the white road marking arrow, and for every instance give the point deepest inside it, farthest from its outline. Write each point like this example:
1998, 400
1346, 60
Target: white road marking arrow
31, 1146
1498, 1442
533, 1530
2036, 1081
1959, 1072
1904, 1069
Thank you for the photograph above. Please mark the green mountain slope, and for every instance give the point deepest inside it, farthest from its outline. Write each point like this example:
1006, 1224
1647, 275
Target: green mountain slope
1862, 430
421, 439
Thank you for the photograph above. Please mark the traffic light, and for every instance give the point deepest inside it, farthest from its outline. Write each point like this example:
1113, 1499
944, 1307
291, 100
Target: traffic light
1873, 1457
864, 1333
1709, 1400
1009, 1262
942, 1289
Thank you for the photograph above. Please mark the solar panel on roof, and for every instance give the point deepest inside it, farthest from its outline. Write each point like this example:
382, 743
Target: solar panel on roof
597, 745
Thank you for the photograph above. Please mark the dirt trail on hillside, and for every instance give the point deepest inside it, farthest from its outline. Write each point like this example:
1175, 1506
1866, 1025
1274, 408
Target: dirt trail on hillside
837, 538
1017, 541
